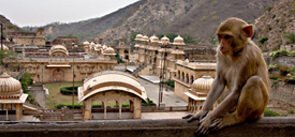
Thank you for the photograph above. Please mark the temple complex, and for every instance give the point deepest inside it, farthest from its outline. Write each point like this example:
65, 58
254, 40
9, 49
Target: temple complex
57, 64
153, 54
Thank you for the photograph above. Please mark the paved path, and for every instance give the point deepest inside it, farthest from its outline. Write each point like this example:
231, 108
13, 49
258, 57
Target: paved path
169, 99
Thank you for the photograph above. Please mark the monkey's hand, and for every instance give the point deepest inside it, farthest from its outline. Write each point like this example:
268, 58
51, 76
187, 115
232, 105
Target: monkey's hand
200, 115
204, 126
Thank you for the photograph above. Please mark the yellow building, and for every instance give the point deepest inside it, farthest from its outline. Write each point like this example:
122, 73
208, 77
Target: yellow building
187, 72
58, 64
153, 54
28, 38
198, 92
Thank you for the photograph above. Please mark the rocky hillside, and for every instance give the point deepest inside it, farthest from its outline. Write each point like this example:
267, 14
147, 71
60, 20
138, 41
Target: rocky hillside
275, 24
8, 26
197, 18
89, 29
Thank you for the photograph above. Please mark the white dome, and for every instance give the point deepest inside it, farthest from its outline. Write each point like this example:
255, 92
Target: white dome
154, 39
9, 85
86, 43
202, 84
138, 37
145, 38
92, 44
57, 49
178, 41
165, 40
109, 50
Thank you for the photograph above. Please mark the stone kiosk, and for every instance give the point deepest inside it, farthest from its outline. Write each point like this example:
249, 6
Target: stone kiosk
198, 93
111, 86
12, 97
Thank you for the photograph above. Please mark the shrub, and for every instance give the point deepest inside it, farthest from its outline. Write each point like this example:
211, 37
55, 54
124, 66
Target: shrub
279, 53
148, 102
25, 81
68, 90
270, 113
263, 40
290, 37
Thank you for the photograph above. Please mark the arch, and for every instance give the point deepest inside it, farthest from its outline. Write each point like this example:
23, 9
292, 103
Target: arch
187, 78
58, 75
192, 79
112, 86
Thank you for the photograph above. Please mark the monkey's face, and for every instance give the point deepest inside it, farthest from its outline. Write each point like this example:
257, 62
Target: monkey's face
227, 43
232, 35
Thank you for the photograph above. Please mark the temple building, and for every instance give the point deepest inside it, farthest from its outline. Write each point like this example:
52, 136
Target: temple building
58, 64
27, 38
67, 41
198, 92
12, 98
154, 54
112, 86
187, 72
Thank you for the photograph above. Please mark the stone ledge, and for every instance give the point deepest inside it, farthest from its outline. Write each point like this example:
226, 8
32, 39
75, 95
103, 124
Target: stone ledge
266, 127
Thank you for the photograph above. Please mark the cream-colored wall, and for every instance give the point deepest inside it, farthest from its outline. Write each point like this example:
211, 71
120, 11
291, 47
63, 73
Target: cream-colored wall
179, 90
183, 84
29, 41
41, 73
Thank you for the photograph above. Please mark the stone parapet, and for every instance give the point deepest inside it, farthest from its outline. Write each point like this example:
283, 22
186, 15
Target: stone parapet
266, 127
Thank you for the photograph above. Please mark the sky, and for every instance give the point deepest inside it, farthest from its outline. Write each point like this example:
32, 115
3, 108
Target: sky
42, 12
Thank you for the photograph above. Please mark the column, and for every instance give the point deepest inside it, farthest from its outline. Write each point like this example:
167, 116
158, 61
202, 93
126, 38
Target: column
19, 111
105, 109
137, 108
87, 110
120, 109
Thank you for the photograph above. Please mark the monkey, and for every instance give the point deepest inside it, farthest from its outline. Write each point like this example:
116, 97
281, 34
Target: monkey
241, 69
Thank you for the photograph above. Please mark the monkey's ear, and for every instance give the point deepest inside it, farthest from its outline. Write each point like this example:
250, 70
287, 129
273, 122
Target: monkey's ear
248, 29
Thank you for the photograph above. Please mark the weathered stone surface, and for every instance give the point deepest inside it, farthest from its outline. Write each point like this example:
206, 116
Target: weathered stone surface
267, 127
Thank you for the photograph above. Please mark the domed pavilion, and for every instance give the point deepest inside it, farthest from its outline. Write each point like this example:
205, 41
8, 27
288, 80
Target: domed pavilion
198, 93
12, 97
120, 95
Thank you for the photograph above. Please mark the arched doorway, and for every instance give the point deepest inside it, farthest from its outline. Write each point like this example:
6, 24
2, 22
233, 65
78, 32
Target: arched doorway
57, 75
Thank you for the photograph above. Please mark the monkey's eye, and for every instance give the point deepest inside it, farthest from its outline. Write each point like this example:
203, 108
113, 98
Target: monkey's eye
227, 37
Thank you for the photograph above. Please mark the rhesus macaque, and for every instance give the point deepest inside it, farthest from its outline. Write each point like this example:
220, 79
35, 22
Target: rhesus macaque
242, 70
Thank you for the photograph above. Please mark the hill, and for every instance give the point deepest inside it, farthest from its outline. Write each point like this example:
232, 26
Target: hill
8, 26
197, 18
274, 26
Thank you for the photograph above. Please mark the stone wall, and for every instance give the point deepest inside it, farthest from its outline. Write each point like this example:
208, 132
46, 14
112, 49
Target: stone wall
267, 127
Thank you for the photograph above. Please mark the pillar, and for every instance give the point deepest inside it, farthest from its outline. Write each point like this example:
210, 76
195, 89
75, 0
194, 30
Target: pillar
87, 110
137, 108
105, 110
19, 111
120, 109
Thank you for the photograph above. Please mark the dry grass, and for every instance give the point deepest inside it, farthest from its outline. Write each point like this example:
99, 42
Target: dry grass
55, 97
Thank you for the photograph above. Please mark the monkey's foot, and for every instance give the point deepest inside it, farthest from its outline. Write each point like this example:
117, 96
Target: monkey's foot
187, 116
217, 124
